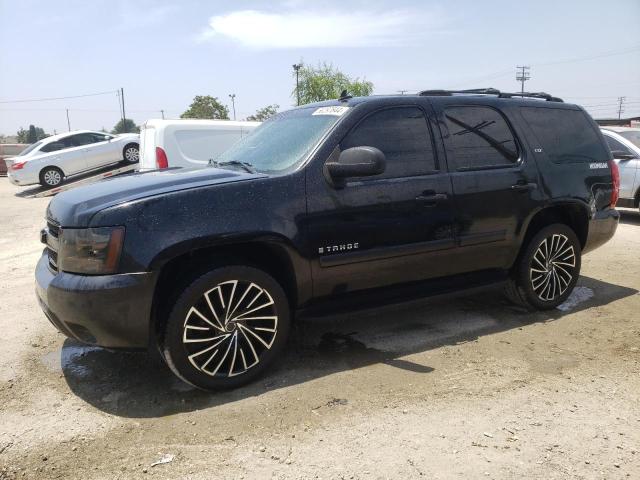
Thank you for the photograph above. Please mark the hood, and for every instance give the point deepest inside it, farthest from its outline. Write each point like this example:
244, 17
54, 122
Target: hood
74, 208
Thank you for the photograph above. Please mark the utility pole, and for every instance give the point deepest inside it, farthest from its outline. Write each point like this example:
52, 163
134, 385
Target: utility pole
621, 101
297, 67
522, 76
162, 112
124, 116
402, 92
68, 122
232, 96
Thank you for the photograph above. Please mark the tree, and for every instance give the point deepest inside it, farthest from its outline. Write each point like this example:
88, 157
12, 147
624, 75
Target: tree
208, 107
325, 82
263, 114
30, 136
128, 126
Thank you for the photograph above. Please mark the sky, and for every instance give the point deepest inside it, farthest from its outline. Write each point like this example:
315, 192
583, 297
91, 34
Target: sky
164, 53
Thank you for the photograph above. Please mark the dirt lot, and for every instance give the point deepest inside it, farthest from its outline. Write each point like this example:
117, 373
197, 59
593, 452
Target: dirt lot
462, 387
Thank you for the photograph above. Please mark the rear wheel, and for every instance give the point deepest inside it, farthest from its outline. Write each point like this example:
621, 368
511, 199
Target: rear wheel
51, 177
226, 327
131, 153
547, 271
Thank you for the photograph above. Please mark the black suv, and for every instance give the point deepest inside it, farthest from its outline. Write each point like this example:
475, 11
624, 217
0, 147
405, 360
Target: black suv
337, 204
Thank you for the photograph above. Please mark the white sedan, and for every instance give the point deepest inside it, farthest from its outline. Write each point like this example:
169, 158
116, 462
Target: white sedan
49, 161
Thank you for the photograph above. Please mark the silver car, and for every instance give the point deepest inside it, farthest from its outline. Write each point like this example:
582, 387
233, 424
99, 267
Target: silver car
52, 159
624, 143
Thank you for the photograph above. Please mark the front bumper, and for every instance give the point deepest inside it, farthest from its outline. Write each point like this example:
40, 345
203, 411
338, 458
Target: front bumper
111, 311
602, 226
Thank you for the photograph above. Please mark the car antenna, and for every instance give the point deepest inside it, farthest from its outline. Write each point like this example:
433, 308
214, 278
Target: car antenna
344, 96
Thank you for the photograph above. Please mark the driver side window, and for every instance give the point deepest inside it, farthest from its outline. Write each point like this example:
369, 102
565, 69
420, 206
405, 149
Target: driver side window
403, 135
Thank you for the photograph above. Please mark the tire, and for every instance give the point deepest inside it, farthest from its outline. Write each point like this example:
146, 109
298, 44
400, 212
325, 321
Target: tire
226, 327
51, 177
131, 153
547, 270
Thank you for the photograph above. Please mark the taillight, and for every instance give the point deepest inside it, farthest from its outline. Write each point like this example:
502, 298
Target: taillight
615, 178
161, 158
17, 166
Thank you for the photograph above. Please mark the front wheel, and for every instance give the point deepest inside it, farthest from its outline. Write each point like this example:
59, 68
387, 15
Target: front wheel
226, 327
131, 153
547, 271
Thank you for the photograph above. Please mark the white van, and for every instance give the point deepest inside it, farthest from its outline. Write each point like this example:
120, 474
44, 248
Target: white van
187, 143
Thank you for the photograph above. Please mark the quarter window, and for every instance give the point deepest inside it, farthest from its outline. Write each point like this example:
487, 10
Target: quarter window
567, 136
480, 138
403, 135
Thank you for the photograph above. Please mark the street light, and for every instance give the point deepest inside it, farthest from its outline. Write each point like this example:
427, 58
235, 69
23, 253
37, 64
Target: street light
297, 67
232, 96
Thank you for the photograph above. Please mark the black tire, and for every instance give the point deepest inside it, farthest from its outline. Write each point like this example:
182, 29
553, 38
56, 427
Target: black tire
215, 347
547, 270
131, 153
51, 177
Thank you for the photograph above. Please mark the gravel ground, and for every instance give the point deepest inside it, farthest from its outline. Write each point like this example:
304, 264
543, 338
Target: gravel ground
459, 387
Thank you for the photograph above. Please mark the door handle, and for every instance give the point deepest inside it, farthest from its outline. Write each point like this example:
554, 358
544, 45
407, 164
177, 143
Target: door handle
523, 186
431, 198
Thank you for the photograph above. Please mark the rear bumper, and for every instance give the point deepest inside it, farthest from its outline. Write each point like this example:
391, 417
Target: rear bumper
107, 310
602, 227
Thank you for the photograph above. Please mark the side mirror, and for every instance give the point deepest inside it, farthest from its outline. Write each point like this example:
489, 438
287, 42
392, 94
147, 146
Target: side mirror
106, 138
621, 155
357, 162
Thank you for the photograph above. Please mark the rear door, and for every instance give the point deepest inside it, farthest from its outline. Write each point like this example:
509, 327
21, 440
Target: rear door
66, 154
495, 183
391, 228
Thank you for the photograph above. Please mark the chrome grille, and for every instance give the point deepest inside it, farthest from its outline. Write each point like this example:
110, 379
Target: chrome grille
51, 240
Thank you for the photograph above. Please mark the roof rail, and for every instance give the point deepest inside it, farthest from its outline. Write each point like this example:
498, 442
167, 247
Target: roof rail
490, 91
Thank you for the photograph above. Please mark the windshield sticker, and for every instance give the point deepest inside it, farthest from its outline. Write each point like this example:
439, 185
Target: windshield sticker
336, 110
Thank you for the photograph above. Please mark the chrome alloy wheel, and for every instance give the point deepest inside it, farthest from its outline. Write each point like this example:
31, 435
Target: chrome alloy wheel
552, 267
229, 327
52, 177
132, 154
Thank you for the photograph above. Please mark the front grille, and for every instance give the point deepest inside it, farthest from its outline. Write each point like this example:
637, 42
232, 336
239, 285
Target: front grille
52, 241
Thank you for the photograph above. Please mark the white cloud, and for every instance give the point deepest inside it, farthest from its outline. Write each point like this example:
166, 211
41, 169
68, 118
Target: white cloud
309, 29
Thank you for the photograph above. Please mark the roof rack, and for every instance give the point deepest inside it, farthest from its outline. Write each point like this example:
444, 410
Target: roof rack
490, 91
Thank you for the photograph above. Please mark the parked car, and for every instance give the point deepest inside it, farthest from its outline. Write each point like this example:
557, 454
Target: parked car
51, 160
341, 204
625, 147
188, 143
8, 150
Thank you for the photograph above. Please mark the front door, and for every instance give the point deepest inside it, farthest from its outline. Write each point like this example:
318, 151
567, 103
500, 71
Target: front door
386, 229
98, 151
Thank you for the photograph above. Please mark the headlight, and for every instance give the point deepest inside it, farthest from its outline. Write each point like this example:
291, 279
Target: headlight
91, 251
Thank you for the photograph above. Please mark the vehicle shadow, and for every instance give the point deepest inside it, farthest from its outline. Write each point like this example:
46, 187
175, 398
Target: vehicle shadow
630, 217
135, 385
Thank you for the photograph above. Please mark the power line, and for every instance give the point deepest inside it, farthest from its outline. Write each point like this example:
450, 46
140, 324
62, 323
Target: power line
58, 98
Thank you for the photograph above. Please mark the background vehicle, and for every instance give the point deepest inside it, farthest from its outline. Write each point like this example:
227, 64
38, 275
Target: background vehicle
625, 147
8, 150
188, 143
52, 159
342, 204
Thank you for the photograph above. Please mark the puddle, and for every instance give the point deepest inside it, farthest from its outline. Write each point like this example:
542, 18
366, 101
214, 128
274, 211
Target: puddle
69, 360
579, 295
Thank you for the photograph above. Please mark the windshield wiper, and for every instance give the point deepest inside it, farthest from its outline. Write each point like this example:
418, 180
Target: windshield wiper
245, 165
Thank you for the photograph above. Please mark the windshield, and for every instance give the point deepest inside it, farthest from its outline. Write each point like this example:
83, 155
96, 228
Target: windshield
632, 135
285, 140
31, 147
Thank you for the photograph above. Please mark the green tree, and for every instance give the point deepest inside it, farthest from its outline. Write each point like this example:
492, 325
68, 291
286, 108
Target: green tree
32, 135
263, 114
325, 82
128, 126
22, 135
207, 107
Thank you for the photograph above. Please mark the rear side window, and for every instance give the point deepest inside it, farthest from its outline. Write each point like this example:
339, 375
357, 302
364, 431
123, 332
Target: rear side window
53, 147
402, 134
480, 138
567, 136
616, 145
